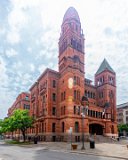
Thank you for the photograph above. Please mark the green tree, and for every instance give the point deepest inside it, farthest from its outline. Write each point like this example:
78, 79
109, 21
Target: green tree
122, 127
22, 121
7, 125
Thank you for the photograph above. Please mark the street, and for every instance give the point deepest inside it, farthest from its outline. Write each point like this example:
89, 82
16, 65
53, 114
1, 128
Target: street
13, 152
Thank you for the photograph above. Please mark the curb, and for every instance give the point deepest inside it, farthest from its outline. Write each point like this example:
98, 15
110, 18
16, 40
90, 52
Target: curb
66, 151
102, 155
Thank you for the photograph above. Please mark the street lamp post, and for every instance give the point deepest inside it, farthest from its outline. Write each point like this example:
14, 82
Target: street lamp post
84, 103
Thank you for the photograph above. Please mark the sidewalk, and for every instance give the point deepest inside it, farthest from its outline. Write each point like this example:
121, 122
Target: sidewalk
119, 151
114, 150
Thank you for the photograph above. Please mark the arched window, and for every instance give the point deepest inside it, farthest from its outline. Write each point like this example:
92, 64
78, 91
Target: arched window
76, 127
63, 126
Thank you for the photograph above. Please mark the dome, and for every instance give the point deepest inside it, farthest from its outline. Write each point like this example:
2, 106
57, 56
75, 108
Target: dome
71, 13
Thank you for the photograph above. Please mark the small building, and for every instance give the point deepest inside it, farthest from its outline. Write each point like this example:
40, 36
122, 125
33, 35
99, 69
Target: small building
122, 113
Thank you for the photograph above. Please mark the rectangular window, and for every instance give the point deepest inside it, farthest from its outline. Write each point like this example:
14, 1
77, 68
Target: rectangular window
74, 109
74, 80
64, 95
54, 97
78, 110
27, 98
74, 94
61, 96
44, 99
64, 109
54, 111
54, 84
26, 106
53, 127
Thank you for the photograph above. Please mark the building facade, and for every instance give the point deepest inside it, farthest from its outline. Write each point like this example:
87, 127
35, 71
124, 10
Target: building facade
122, 113
55, 98
22, 102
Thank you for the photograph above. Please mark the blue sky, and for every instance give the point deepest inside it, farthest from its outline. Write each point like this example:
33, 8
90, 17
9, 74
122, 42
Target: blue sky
29, 33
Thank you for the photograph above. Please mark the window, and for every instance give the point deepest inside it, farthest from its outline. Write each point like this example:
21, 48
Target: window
78, 110
64, 95
93, 95
75, 94
127, 119
54, 97
76, 127
74, 80
26, 106
88, 94
53, 111
61, 96
64, 110
44, 99
85, 93
54, 84
126, 112
74, 109
63, 126
27, 98
53, 127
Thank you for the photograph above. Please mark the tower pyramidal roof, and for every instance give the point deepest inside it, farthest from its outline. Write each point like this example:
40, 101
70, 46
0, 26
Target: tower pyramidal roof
104, 66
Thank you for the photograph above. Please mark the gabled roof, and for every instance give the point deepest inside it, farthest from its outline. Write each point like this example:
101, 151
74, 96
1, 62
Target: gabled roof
104, 66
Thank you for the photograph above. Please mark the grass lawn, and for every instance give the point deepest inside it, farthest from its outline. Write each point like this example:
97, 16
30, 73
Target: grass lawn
16, 142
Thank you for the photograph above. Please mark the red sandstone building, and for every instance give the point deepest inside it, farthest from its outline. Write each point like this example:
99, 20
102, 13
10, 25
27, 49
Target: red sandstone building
55, 98
21, 102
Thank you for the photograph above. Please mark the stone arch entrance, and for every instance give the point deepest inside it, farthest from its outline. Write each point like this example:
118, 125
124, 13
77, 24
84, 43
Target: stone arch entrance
96, 128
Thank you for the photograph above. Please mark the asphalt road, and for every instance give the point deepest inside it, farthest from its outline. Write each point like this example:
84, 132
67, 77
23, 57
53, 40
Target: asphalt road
12, 152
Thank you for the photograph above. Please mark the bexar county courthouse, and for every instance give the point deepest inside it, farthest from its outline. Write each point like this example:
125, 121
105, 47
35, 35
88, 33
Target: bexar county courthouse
55, 98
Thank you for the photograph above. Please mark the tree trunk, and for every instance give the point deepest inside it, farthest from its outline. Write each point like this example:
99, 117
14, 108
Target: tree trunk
12, 134
23, 133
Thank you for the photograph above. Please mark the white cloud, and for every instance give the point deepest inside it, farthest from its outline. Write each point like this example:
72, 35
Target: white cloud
29, 49
25, 3
17, 19
34, 27
3, 74
32, 67
42, 68
17, 66
13, 37
11, 53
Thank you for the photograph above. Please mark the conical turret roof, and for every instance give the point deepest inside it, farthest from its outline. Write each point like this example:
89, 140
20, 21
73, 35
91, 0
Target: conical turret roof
104, 66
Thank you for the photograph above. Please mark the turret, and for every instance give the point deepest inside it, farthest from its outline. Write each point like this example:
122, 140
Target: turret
105, 81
